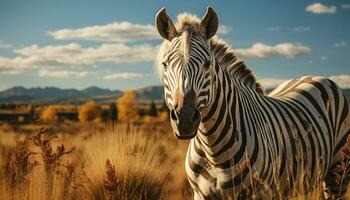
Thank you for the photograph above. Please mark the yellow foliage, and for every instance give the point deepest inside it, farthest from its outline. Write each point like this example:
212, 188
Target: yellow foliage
127, 110
148, 119
67, 108
90, 111
21, 119
163, 116
49, 114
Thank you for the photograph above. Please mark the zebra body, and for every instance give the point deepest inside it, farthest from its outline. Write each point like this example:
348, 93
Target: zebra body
242, 139
285, 140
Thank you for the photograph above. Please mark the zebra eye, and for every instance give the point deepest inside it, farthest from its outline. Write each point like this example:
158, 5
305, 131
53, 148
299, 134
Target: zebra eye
207, 64
164, 65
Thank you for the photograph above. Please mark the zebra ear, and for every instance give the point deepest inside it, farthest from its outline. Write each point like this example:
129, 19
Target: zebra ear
165, 25
210, 22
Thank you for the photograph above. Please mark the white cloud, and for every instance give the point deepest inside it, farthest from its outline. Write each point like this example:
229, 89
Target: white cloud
274, 28
15, 66
319, 8
74, 55
123, 75
260, 50
114, 32
51, 55
345, 6
62, 73
340, 44
342, 80
4, 45
301, 28
271, 82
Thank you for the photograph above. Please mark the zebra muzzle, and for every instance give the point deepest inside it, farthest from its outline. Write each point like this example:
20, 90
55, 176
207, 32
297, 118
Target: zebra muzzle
185, 122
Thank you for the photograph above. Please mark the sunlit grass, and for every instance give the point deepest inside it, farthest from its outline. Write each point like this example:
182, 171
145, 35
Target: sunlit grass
107, 162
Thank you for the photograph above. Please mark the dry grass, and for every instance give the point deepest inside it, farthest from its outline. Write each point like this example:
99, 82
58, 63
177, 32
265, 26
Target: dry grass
103, 162
31, 169
137, 159
111, 162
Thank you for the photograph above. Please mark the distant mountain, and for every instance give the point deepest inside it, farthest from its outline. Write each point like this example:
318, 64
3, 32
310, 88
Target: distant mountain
150, 93
52, 94
146, 94
17, 98
41, 93
100, 95
96, 91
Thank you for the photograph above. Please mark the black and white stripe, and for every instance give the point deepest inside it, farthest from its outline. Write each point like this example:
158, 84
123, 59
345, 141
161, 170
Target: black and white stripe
286, 141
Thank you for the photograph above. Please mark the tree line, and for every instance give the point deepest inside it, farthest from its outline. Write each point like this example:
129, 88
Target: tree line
125, 109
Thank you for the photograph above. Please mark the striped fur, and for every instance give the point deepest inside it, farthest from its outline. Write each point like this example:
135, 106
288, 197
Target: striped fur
286, 141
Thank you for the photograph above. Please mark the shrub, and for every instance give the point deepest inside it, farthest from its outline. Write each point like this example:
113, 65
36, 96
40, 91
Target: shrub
90, 111
31, 169
49, 114
18, 165
50, 158
127, 111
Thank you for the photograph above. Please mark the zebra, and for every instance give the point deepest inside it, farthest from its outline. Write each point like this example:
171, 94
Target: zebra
242, 139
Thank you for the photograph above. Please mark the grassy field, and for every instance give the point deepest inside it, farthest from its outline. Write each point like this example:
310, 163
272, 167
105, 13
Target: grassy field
94, 161
98, 162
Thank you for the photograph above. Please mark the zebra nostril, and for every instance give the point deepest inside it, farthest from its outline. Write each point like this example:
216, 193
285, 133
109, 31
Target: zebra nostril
173, 115
196, 116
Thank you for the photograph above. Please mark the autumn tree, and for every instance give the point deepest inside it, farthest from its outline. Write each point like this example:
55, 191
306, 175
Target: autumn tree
49, 114
127, 110
89, 111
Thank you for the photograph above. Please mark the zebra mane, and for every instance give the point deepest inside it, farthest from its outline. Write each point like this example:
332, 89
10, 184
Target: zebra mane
222, 51
226, 57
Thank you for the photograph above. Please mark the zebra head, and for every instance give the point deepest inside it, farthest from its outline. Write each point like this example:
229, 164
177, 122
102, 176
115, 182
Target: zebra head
186, 64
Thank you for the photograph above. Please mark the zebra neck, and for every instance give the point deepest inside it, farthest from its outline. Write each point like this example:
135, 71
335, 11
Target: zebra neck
218, 128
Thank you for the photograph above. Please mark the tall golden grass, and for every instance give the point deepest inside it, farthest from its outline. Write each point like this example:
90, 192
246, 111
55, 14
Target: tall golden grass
109, 162
114, 162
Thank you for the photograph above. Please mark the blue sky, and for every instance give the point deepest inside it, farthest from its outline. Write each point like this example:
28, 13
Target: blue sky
111, 44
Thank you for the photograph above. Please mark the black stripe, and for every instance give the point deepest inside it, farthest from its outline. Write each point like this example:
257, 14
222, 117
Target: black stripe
214, 106
198, 169
336, 101
319, 110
